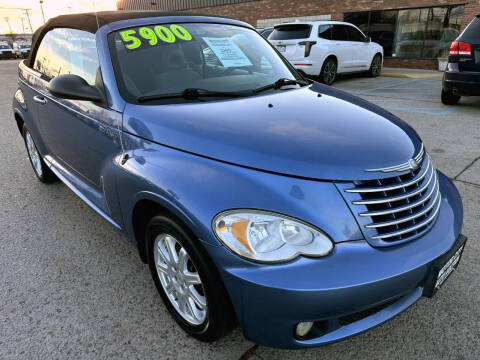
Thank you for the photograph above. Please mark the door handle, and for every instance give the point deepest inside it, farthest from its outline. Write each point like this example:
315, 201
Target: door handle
40, 99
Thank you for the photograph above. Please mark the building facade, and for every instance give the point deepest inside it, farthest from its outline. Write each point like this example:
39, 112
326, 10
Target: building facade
414, 33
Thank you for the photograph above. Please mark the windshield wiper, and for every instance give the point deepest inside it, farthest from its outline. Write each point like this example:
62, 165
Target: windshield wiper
281, 83
193, 94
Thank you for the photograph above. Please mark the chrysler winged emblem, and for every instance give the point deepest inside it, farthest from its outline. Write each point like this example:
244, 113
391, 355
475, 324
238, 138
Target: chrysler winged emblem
413, 164
410, 165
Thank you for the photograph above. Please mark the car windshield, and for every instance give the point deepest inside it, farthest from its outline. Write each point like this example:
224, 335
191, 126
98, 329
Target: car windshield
4, 47
24, 46
170, 58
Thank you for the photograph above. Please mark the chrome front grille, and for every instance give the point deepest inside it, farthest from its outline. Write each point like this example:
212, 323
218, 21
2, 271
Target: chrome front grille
399, 208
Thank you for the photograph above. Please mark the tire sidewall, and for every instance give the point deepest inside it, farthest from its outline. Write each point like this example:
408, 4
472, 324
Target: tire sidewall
372, 73
47, 175
213, 327
449, 98
24, 134
322, 73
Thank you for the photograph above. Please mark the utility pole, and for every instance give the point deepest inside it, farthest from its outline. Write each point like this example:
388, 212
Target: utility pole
22, 9
41, 8
7, 19
29, 22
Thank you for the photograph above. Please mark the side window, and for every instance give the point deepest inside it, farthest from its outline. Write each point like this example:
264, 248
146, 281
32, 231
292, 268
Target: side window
354, 34
325, 32
339, 33
67, 51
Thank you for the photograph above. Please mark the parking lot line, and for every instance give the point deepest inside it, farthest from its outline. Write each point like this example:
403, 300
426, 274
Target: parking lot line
429, 111
391, 85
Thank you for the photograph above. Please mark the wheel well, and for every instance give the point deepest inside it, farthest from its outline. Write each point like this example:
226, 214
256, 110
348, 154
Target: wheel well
330, 57
378, 53
20, 122
143, 211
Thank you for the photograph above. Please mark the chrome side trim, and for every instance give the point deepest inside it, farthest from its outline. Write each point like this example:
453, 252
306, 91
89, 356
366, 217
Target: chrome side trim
432, 217
404, 166
80, 195
393, 187
396, 198
403, 208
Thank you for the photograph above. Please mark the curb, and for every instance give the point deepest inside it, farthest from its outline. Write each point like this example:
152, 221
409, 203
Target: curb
412, 76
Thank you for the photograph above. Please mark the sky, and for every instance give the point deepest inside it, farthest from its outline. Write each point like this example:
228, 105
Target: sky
11, 9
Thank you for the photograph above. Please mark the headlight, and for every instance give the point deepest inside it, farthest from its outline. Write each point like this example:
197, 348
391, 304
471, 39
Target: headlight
268, 237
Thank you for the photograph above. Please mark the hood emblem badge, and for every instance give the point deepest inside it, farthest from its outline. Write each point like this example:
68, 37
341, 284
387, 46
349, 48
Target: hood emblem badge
413, 164
410, 165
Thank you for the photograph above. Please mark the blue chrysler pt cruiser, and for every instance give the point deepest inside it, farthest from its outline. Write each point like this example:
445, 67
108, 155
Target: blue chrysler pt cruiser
257, 197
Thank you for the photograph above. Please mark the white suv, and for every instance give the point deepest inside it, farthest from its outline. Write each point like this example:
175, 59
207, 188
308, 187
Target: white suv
325, 48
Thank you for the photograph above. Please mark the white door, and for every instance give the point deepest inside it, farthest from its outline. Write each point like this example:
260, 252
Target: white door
360, 48
342, 48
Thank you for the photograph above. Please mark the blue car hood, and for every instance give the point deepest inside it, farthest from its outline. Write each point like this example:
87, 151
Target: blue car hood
313, 132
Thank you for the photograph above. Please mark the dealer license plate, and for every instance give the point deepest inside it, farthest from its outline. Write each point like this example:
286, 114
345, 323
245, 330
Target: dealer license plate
443, 268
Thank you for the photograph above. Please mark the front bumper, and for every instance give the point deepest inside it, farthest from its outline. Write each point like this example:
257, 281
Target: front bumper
340, 292
462, 82
8, 56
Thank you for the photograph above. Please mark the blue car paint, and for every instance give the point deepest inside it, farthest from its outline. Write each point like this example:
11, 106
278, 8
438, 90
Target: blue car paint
356, 276
283, 139
181, 158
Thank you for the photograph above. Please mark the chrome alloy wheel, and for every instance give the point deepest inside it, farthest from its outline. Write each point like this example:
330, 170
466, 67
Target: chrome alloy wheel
34, 155
330, 72
180, 279
376, 65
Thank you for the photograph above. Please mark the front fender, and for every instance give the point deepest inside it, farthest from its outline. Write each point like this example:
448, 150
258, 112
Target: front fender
196, 189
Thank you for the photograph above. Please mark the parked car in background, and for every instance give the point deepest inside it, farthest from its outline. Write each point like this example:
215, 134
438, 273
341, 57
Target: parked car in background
266, 32
327, 48
256, 197
462, 75
21, 49
6, 52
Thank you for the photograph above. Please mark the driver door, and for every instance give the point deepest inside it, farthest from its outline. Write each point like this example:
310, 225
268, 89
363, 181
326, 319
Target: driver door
81, 137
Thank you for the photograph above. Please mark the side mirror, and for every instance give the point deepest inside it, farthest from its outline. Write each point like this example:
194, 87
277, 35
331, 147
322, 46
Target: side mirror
74, 87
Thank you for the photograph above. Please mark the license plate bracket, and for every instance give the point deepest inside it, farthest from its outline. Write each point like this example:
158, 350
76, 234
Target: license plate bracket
443, 267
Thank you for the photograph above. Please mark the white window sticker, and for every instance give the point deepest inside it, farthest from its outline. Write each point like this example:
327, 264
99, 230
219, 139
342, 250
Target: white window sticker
229, 54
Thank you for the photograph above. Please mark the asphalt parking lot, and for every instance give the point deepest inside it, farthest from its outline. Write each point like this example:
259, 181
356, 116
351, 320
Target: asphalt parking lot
72, 287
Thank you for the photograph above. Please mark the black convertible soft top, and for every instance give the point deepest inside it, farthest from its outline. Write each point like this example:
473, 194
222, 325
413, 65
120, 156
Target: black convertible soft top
88, 22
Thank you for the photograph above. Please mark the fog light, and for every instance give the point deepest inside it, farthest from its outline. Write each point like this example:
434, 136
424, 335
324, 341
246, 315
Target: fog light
303, 328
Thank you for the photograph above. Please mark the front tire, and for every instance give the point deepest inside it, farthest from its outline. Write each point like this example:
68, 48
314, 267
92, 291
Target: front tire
449, 98
329, 71
188, 281
43, 172
375, 66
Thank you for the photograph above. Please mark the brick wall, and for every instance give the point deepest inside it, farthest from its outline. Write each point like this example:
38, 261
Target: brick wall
252, 11
428, 64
